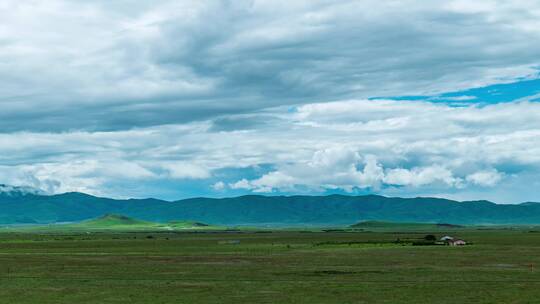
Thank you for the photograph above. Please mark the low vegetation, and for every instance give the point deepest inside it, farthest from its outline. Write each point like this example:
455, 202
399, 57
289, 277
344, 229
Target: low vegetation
116, 265
381, 225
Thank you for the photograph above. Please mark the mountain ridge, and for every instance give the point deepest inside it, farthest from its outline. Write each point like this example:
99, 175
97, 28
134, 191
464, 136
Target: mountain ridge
335, 209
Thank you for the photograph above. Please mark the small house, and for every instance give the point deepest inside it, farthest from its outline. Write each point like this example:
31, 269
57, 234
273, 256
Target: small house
457, 242
451, 241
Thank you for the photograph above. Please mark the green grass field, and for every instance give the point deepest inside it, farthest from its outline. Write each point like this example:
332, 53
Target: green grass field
502, 266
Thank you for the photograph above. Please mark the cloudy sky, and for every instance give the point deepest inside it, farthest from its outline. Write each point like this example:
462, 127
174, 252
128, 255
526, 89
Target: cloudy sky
175, 99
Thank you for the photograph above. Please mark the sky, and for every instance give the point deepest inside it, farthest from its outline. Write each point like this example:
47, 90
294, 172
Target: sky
178, 99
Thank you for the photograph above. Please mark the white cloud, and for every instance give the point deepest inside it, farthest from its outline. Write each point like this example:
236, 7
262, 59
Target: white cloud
180, 170
321, 176
456, 98
273, 180
153, 93
241, 184
87, 176
339, 145
421, 176
487, 178
219, 186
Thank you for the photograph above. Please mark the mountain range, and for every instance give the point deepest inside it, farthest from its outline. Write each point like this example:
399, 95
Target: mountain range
25, 206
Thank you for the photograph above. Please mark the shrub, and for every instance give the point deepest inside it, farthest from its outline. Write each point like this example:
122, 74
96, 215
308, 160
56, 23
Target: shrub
430, 237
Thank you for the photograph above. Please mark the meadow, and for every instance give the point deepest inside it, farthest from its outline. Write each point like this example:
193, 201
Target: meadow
269, 266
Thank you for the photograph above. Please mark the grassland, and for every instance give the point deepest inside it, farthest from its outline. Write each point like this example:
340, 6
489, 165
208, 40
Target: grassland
402, 227
208, 266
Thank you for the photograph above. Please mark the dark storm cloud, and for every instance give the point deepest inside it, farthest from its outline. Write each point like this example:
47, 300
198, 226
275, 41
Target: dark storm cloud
119, 65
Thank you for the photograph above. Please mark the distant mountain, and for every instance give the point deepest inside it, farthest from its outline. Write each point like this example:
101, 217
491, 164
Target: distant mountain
265, 210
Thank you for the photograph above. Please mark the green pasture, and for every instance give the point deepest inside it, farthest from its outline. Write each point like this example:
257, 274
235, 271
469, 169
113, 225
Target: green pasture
204, 266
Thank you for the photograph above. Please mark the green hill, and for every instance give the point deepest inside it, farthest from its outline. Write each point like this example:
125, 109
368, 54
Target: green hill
121, 222
114, 221
187, 224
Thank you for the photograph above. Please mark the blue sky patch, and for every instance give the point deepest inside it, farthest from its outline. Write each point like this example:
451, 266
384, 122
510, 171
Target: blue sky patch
497, 93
